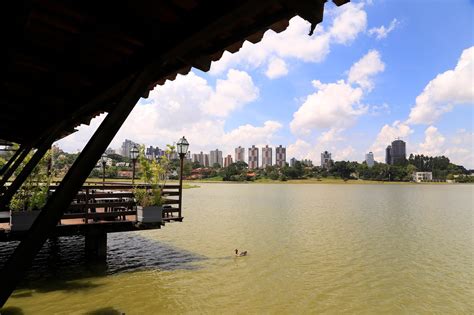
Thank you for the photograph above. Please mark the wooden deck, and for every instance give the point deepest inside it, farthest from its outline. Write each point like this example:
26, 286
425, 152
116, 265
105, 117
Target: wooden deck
108, 208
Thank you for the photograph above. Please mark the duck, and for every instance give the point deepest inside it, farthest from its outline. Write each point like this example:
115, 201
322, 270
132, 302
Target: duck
241, 254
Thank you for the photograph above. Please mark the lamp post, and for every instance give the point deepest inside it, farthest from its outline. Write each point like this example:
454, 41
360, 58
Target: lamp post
182, 148
103, 158
134, 156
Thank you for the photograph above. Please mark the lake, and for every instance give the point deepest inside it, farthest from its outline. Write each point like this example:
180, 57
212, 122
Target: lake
313, 248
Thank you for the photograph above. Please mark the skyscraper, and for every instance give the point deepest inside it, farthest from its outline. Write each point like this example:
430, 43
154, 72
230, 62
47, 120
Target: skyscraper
280, 156
388, 155
253, 157
239, 154
215, 157
228, 160
369, 159
293, 162
127, 145
266, 156
326, 160
398, 152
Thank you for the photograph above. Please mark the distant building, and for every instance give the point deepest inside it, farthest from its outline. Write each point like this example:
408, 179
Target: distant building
398, 152
266, 156
239, 154
280, 156
215, 157
326, 161
307, 162
422, 177
110, 151
253, 157
388, 155
293, 162
201, 158
154, 153
127, 145
369, 159
228, 160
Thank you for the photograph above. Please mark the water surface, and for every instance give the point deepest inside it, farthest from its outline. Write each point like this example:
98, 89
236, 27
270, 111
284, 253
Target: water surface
312, 249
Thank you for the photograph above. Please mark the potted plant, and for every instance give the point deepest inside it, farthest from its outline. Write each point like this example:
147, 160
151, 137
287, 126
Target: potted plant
149, 200
28, 201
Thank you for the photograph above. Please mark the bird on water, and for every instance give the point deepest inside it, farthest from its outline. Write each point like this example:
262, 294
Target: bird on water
241, 254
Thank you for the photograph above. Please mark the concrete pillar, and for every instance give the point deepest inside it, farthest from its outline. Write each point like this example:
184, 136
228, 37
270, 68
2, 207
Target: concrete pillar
96, 246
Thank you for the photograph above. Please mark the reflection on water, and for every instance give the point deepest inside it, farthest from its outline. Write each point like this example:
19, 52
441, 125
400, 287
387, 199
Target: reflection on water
312, 248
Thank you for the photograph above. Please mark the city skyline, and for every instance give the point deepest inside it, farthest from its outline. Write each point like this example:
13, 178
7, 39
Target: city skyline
348, 90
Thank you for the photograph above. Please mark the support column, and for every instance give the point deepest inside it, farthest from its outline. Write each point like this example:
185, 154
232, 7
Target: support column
43, 147
9, 172
96, 246
11, 160
22, 257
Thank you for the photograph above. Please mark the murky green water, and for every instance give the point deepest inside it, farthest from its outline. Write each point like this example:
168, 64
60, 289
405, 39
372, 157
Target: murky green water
312, 249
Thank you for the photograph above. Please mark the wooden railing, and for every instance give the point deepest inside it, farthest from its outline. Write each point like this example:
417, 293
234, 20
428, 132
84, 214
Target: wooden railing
117, 201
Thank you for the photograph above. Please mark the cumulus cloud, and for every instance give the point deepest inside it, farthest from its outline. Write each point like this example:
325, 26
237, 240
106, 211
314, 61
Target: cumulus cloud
382, 31
347, 23
434, 142
301, 149
276, 68
362, 72
230, 94
338, 105
387, 134
188, 106
333, 105
448, 89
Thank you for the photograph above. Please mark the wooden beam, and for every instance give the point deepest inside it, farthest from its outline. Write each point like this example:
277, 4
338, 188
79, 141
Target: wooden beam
9, 172
11, 160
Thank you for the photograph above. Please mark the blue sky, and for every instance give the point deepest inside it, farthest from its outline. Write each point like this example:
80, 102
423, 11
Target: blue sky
373, 71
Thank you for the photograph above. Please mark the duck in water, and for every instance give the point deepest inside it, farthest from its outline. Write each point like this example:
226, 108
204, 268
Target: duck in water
241, 254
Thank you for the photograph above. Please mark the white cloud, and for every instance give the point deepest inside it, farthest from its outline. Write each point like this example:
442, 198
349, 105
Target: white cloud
434, 142
448, 89
346, 154
347, 23
350, 21
300, 150
382, 32
334, 105
230, 94
362, 71
184, 107
276, 68
387, 134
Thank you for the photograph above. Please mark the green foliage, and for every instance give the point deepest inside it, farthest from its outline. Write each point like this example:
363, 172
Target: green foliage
33, 194
153, 173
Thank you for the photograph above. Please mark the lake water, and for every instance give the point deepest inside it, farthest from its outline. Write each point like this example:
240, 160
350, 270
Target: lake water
312, 249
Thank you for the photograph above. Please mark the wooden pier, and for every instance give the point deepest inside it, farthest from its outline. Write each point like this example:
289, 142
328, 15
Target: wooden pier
100, 209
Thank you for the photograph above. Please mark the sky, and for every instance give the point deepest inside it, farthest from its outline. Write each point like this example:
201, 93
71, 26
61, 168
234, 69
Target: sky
373, 71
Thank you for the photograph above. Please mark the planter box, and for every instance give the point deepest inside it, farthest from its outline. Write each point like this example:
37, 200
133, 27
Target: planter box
151, 214
22, 220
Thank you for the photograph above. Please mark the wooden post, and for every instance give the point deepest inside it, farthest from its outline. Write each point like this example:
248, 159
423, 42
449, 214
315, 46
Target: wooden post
9, 172
180, 184
11, 160
18, 263
96, 246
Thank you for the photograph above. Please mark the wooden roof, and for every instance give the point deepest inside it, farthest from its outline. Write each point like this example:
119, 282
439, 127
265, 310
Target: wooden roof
72, 60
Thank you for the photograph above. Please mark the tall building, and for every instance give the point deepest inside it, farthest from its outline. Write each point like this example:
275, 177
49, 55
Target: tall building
266, 156
253, 157
388, 155
215, 157
398, 153
369, 159
280, 156
228, 160
127, 145
307, 162
154, 152
239, 154
201, 158
293, 162
326, 160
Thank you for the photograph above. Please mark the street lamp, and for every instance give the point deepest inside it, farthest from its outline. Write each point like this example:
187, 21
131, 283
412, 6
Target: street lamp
134, 156
182, 148
103, 158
